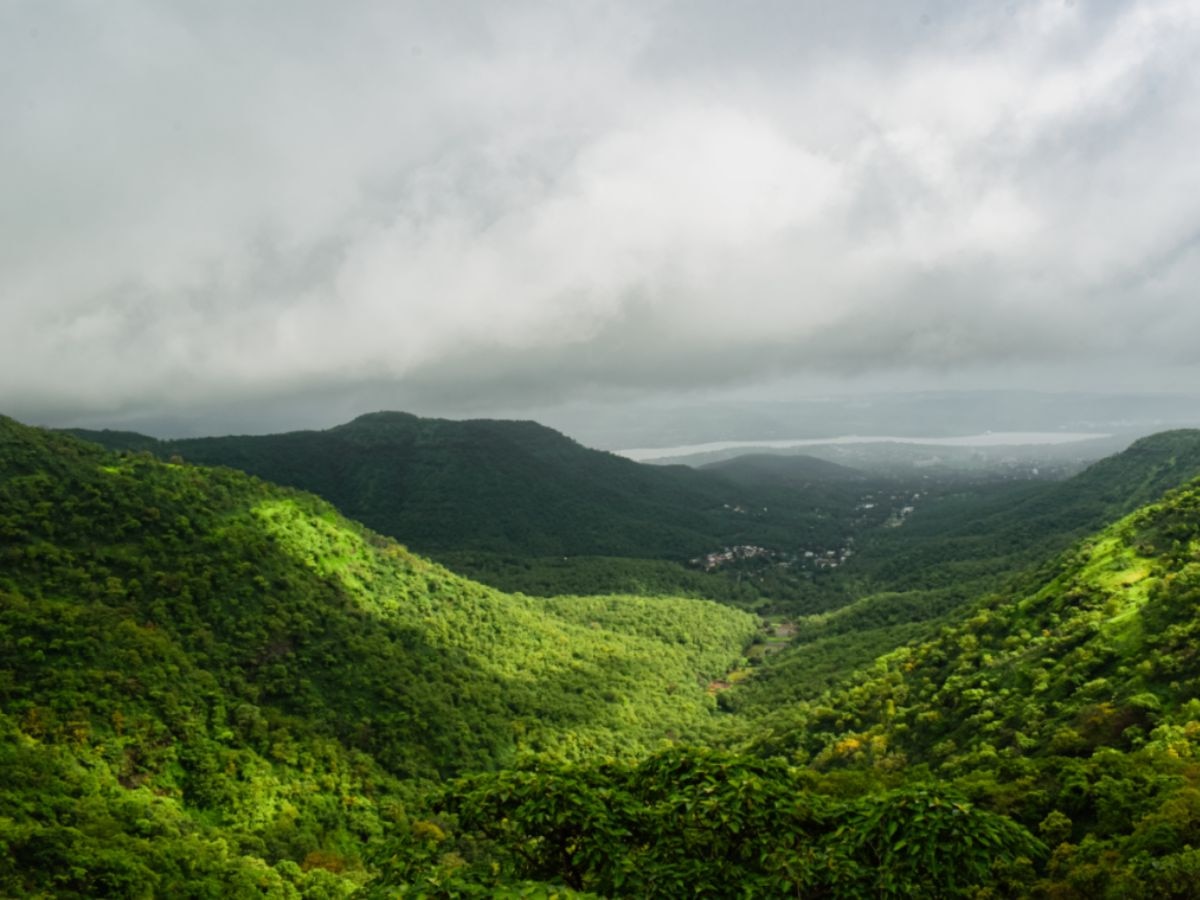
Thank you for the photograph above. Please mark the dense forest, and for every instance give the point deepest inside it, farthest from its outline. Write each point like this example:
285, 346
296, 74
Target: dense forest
194, 658
903, 583
214, 686
1042, 744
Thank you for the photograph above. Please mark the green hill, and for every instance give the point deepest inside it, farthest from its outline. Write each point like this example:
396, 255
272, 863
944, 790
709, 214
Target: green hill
208, 679
497, 486
1111, 622
525, 508
965, 543
506, 501
1003, 529
212, 686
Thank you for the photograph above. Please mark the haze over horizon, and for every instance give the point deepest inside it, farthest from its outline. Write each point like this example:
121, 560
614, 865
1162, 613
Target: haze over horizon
220, 215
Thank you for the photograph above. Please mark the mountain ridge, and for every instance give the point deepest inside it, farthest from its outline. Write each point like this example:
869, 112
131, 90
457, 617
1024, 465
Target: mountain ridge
489, 486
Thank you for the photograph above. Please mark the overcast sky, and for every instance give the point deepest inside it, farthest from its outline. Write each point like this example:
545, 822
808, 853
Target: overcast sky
460, 207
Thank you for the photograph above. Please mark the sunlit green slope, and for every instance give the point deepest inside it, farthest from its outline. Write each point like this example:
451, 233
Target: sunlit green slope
196, 665
1071, 704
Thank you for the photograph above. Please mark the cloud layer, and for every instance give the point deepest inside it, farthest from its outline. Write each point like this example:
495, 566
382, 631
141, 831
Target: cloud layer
514, 203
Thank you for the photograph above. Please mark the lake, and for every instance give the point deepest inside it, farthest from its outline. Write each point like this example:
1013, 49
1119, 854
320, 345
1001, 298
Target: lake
987, 439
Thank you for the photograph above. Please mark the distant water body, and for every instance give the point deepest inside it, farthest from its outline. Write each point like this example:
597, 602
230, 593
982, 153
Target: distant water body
988, 439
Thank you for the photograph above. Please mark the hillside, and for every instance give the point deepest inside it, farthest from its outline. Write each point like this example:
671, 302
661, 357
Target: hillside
1111, 623
497, 486
212, 686
506, 501
1071, 703
208, 679
964, 542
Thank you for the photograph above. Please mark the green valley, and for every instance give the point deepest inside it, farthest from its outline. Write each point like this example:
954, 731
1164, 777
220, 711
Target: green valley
214, 686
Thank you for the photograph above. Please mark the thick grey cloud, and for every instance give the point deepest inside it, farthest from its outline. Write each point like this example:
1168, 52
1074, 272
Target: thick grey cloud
449, 205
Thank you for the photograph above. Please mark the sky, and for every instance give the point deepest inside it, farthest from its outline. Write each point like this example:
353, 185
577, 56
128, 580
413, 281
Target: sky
229, 214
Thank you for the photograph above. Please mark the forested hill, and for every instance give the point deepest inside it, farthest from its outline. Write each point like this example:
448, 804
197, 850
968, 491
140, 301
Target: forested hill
1108, 488
206, 680
506, 487
1137, 476
965, 543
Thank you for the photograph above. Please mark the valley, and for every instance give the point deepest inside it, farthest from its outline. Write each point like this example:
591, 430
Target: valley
216, 686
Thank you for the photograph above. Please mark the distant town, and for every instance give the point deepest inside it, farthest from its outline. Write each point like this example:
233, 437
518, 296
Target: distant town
900, 506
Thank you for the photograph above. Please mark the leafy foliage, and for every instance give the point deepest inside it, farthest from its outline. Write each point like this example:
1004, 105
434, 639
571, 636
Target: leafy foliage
722, 825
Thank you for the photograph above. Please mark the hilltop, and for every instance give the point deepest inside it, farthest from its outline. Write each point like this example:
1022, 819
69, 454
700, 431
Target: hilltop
483, 485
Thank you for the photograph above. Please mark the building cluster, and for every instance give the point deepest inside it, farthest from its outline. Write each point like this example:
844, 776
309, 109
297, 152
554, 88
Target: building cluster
726, 555
810, 559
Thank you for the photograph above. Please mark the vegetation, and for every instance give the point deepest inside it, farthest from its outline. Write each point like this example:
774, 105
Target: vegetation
966, 536
211, 686
960, 544
193, 654
1071, 705
715, 824
524, 508
1043, 743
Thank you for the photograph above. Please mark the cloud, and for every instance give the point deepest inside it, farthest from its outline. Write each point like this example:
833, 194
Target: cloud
526, 202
